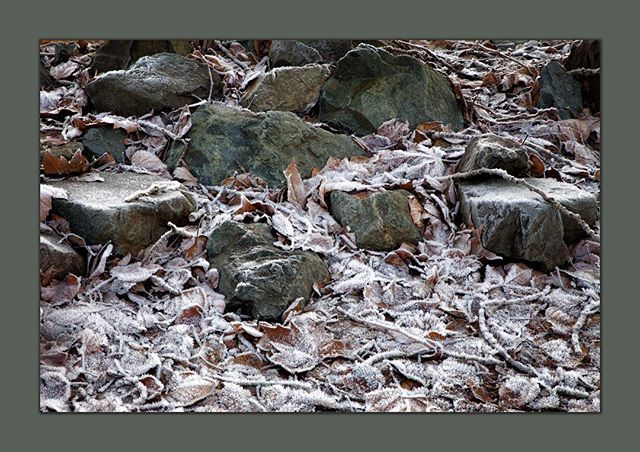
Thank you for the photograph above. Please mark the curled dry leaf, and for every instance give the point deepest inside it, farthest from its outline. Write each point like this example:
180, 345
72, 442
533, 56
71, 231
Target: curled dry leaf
64, 70
536, 165
190, 390
416, 211
64, 291
59, 166
149, 161
296, 193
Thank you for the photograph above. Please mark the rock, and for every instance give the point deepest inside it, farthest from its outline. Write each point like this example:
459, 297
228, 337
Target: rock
63, 51
370, 86
492, 151
290, 52
586, 54
225, 139
46, 80
120, 54
517, 223
381, 221
60, 256
98, 212
255, 275
287, 89
65, 150
164, 81
99, 140
558, 89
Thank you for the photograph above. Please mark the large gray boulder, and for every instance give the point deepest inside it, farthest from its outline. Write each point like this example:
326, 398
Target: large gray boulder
558, 89
120, 54
492, 151
289, 52
287, 89
225, 139
370, 86
518, 223
99, 211
164, 81
381, 221
255, 275
58, 257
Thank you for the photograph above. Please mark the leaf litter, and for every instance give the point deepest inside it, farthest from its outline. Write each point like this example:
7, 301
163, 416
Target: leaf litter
444, 326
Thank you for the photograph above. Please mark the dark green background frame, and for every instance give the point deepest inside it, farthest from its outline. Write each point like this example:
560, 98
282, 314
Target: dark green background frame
23, 427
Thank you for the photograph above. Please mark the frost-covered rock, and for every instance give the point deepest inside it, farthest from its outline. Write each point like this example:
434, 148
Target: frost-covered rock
518, 223
257, 276
558, 89
99, 211
99, 140
381, 221
225, 139
164, 81
120, 53
58, 255
289, 52
287, 89
492, 151
370, 86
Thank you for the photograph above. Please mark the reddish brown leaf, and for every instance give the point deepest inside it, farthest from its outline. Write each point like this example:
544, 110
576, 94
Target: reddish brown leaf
296, 193
59, 166
65, 291
537, 165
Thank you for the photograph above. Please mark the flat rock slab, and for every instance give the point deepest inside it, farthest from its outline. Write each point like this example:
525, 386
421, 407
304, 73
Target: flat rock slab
120, 54
558, 89
60, 256
370, 86
255, 275
99, 140
98, 212
225, 139
164, 81
518, 223
381, 221
492, 151
295, 89
289, 52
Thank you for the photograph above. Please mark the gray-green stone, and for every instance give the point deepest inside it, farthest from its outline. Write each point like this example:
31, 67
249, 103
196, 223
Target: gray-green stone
381, 221
164, 81
289, 52
370, 86
492, 151
60, 256
558, 89
99, 140
98, 212
225, 139
120, 53
287, 89
257, 276
518, 223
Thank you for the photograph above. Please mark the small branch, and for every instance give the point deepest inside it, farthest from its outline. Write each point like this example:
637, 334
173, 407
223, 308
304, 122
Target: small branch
591, 308
247, 382
229, 55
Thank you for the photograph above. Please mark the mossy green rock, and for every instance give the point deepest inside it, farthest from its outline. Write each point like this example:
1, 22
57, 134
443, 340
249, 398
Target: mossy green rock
120, 54
558, 89
494, 152
57, 256
370, 86
290, 52
164, 81
99, 140
99, 212
225, 139
381, 221
255, 275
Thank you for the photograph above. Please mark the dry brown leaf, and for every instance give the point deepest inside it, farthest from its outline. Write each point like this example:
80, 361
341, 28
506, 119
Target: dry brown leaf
536, 165
64, 70
149, 161
417, 211
296, 193
65, 291
59, 166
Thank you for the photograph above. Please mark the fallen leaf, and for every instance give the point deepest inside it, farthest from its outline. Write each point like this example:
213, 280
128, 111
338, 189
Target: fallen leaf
296, 193
47, 192
59, 166
64, 291
149, 161
536, 165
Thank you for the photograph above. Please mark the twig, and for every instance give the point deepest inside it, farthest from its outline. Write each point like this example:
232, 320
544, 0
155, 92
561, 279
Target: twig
247, 382
229, 55
590, 308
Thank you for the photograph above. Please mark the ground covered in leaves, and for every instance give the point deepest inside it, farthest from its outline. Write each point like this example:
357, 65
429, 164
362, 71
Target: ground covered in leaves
442, 326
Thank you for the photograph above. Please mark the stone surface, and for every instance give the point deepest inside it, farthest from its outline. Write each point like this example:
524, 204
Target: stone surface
558, 89
370, 86
288, 52
294, 89
99, 140
586, 54
255, 275
492, 151
46, 81
120, 54
226, 139
164, 81
60, 256
517, 223
98, 212
381, 221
